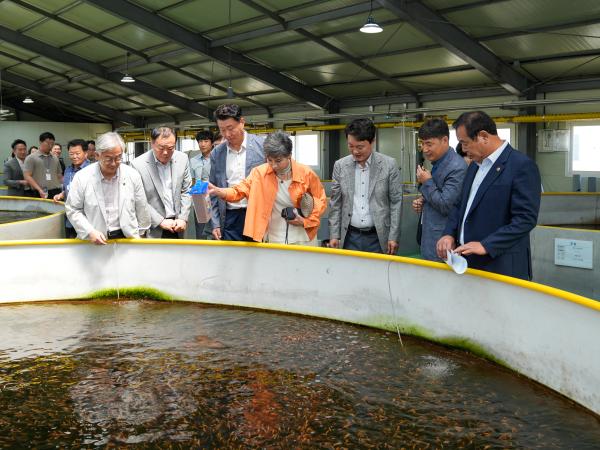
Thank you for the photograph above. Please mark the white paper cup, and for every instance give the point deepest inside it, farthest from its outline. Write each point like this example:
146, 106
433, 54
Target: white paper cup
457, 262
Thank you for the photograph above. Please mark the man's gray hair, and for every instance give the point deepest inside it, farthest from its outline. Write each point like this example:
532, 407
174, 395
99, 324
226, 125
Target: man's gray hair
108, 141
277, 145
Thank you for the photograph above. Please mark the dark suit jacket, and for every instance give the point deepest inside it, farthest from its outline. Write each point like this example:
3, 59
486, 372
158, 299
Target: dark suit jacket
503, 213
218, 173
12, 174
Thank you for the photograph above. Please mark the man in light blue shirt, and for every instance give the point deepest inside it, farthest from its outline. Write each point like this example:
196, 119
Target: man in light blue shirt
200, 170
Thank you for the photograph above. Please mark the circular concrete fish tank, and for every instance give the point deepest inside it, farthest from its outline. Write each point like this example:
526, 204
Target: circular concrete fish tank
189, 347
30, 218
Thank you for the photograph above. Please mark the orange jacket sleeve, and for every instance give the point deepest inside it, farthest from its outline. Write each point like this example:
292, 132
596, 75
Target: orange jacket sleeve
240, 190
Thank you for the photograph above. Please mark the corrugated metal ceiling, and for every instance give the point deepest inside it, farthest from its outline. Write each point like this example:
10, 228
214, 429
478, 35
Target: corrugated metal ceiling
283, 52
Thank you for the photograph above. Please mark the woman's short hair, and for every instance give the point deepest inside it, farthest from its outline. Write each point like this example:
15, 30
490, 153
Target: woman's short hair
277, 145
108, 141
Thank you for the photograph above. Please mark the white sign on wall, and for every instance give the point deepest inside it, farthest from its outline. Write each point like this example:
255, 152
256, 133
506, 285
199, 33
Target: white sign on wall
553, 140
572, 253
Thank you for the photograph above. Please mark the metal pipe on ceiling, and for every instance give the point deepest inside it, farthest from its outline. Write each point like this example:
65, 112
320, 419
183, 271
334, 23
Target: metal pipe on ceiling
139, 135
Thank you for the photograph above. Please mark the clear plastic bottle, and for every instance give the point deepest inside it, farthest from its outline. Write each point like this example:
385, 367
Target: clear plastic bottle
201, 201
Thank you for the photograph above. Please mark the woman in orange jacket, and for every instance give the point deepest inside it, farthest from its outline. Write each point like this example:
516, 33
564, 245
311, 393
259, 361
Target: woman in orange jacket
274, 187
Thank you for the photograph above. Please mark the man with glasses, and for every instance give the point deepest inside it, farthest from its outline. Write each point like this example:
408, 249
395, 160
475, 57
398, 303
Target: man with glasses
366, 195
167, 181
107, 200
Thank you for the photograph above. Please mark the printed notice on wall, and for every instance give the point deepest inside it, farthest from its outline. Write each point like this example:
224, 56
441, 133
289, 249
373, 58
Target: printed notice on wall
569, 252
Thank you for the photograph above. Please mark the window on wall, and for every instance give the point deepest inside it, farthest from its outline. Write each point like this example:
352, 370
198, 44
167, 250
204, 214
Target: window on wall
584, 155
130, 153
188, 145
503, 133
306, 148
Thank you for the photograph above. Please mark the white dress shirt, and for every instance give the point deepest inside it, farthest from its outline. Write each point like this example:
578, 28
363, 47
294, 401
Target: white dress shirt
484, 168
110, 189
235, 170
361, 216
165, 175
278, 225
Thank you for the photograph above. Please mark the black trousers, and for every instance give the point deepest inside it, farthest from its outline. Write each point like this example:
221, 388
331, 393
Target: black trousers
166, 234
70, 232
234, 225
363, 241
115, 234
51, 193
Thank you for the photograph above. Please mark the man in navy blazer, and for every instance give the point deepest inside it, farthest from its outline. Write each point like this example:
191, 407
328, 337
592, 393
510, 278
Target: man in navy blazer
499, 204
230, 163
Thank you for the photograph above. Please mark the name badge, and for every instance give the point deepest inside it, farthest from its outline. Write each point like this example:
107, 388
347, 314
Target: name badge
48, 177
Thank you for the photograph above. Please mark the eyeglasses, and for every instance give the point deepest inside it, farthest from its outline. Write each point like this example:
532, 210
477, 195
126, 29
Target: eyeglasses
114, 160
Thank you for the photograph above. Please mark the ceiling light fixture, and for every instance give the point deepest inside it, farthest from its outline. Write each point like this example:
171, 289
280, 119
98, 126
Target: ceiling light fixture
126, 78
371, 26
28, 99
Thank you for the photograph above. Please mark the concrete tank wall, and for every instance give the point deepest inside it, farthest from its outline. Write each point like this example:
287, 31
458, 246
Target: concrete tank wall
47, 227
569, 208
564, 208
548, 335
574, 279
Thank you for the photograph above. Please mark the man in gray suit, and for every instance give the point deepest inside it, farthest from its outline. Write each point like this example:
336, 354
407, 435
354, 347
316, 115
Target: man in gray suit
106, 200
230, 163
366, 195
13, 171
440, 189
167, 181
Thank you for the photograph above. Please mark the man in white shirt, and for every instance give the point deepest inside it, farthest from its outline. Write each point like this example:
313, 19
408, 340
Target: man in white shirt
366, 195
200, 169
499, 204
230, 163
167, 181
13, 171
106, 200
